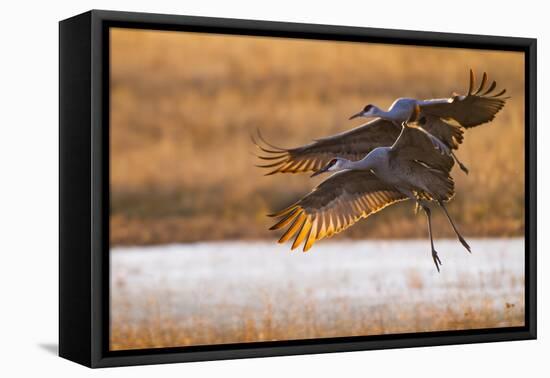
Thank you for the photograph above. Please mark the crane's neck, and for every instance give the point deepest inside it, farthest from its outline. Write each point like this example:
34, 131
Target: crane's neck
402, 110
390, 115
345, 164
374, 159
348, 164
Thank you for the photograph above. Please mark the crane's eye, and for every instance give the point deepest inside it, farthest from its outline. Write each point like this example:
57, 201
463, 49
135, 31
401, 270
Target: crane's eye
367, 108
332, 162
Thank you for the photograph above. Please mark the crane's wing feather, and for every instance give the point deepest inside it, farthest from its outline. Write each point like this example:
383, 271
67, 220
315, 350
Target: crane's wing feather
475, 108
451, 135
352, 145
336, 204
416, 144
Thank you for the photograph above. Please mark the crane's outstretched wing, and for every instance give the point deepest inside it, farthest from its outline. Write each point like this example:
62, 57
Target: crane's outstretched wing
416, 144
352, 145
334, 205
477, 107
451, 135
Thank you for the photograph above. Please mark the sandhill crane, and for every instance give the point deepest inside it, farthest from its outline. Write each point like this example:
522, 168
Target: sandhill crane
410, 169
477, 107
435, 116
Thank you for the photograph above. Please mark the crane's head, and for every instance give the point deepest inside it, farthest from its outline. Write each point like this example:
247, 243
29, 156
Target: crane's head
368, 111
334, 165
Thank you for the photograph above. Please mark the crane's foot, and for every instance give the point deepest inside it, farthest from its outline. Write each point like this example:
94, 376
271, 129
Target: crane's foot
463, 168
437, 260
461, 239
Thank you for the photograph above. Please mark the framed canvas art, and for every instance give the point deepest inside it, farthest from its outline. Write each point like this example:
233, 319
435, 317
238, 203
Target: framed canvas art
235, 188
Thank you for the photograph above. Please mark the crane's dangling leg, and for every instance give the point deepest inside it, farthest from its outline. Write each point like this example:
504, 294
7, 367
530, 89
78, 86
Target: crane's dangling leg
462, 166
424, 205
435, 257
460, 238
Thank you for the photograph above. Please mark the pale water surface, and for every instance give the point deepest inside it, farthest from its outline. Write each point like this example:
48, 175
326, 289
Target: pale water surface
199, 280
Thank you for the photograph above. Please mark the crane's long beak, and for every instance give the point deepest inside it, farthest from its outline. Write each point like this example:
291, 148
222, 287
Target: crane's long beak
360, 114
322, 170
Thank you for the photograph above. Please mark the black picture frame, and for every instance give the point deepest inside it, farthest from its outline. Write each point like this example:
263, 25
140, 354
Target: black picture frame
84, 187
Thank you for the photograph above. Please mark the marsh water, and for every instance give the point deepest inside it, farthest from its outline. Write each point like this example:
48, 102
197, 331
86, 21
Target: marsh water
223, 284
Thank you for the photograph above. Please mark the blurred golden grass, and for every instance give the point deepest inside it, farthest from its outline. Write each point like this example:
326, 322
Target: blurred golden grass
184, 105
305, 320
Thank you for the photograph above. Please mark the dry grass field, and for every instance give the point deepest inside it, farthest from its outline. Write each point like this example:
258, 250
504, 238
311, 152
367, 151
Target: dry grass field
184, 106
162, 330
